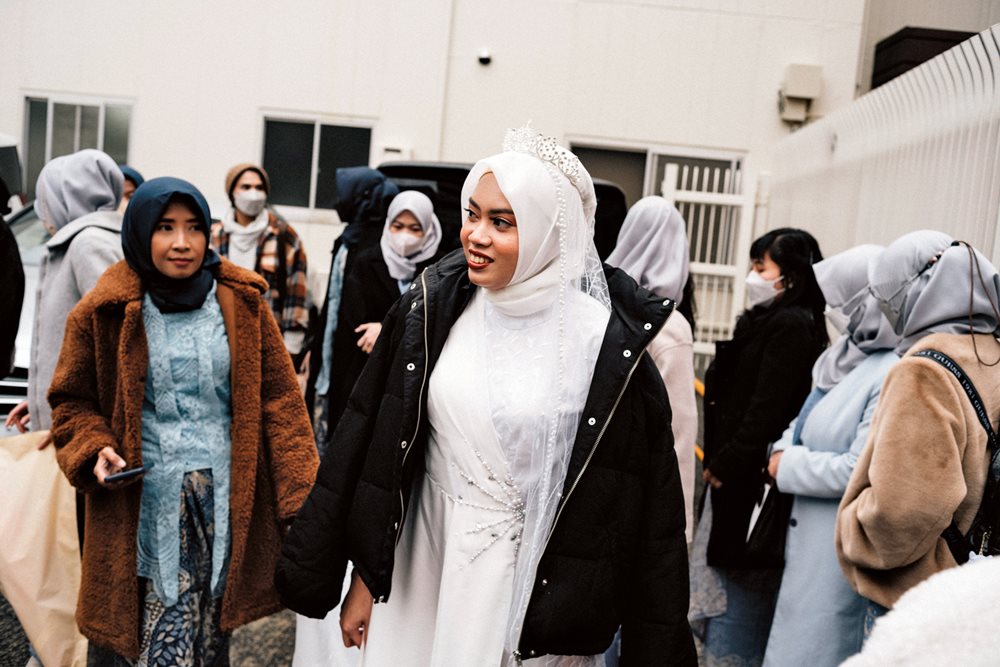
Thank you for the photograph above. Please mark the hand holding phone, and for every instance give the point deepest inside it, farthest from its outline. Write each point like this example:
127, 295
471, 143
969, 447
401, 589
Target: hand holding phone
124, 475
110, 469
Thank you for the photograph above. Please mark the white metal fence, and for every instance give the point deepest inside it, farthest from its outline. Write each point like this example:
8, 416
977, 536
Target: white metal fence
922, 151
718, 215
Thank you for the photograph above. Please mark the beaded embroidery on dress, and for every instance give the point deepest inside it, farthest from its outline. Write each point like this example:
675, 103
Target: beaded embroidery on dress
500, 496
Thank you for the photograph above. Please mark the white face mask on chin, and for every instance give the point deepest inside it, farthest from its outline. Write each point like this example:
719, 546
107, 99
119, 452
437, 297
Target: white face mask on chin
761, 292
405, 243
250, 202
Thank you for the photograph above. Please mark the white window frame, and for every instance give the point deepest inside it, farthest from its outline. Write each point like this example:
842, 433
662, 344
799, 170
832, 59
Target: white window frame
652, 151
742, 192
317, 120
51, 99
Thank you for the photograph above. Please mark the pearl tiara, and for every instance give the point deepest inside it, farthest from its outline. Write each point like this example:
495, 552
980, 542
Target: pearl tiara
527, 140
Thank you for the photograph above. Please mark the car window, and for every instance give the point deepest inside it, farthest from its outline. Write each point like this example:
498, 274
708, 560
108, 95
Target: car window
31, 237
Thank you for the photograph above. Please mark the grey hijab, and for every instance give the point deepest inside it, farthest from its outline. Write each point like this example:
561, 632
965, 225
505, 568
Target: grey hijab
71, 186
420, 205
931, 281
843, 280
653, 248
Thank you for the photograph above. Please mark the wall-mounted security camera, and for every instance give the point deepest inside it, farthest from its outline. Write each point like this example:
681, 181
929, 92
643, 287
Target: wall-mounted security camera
484, 57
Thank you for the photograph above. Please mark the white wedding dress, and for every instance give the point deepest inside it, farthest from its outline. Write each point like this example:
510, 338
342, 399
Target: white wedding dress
319, 643
453, 581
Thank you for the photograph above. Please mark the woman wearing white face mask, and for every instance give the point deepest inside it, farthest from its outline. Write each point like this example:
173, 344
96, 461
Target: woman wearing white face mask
753, 389
410, 240
919, 483
253, 237
373, 281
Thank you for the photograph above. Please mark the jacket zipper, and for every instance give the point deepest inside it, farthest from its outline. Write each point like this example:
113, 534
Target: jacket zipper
579, 475
420, 402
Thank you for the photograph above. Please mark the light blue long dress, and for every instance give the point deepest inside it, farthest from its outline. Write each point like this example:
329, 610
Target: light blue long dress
818, 617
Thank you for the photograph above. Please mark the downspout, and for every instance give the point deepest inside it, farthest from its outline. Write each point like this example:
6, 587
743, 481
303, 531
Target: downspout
447, 78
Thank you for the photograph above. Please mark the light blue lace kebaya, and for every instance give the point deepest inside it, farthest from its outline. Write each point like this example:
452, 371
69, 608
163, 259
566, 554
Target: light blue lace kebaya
186, 417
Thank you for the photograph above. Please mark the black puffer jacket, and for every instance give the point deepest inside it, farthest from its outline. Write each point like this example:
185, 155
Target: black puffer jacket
753, 389
617, 553
367, 295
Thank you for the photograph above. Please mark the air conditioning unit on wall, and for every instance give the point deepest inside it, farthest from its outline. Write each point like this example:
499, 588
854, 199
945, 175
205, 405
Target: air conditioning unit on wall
802, 85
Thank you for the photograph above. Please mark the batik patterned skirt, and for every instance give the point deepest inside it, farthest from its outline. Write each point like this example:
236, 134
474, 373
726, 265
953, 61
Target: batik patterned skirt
186, 633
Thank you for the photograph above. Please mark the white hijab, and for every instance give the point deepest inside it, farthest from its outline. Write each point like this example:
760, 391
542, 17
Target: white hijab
934, 281
419, 204
544, 328
843, 280
653, 248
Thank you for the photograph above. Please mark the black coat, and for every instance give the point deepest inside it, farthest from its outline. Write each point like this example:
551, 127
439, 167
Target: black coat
753, 390
11, 295
617, 554
367, 295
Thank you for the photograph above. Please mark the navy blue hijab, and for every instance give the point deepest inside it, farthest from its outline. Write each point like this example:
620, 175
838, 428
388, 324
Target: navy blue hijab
363, 195
170, 295
132, 175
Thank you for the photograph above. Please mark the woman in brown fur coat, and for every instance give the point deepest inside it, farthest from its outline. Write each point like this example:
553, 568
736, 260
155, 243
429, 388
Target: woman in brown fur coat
173, 364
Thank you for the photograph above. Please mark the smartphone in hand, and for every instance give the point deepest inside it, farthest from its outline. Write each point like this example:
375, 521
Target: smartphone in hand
125, 475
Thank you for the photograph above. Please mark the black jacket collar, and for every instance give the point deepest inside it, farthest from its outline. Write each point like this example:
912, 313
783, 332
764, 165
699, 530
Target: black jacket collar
637, 316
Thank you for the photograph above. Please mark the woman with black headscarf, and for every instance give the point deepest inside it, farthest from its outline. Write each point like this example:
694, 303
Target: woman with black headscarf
363, 197
161, 377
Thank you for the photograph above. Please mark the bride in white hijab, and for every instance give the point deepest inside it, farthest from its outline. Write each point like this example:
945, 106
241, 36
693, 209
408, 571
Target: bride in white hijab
533, 343
503, 480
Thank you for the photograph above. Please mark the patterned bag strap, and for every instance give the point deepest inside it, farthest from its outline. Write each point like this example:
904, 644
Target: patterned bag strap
970, 391
957, 542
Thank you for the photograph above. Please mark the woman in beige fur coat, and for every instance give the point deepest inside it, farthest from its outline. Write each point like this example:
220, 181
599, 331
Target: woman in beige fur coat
926, 459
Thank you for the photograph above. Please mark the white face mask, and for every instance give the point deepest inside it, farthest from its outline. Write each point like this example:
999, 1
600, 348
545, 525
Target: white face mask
761, 292
250, 202
405, 243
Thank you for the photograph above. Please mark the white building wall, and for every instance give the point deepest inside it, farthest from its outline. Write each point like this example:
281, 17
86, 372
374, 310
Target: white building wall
887, 17
698, 74
202, 76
